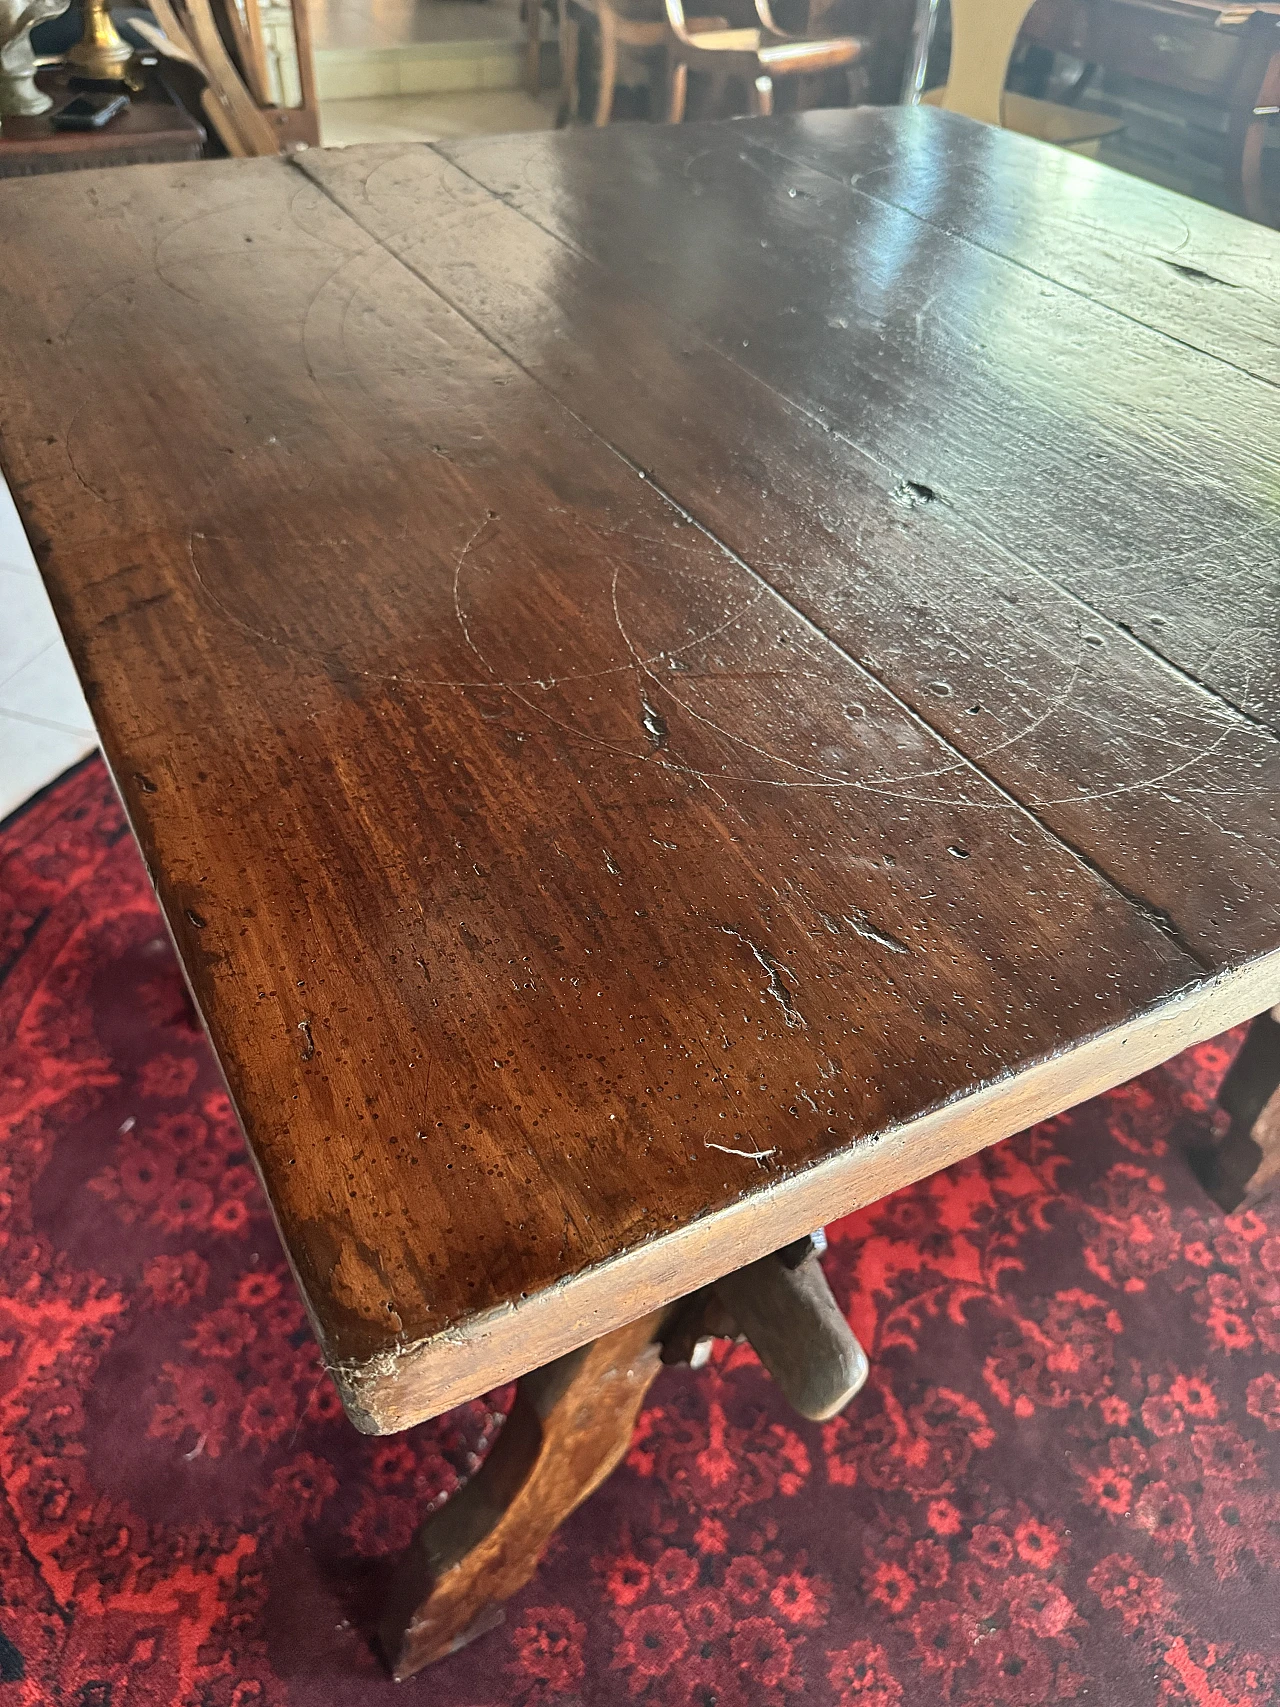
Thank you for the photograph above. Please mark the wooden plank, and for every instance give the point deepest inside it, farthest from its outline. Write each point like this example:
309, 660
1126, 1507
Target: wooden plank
544, 996
1160, 258
1206, 431
1151, 417
1153, 779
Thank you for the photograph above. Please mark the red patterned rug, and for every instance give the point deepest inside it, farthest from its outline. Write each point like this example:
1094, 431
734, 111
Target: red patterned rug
1059, 1485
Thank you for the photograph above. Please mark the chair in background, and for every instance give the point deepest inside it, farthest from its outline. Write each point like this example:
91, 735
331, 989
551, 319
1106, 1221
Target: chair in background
758, 56
983, 33
617, 29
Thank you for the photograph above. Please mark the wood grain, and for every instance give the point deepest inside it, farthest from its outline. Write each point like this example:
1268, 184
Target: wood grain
1017, 353
528, 724
815, 464
1159, 258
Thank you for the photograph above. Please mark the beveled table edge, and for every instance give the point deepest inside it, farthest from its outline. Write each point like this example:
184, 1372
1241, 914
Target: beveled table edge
405, 1385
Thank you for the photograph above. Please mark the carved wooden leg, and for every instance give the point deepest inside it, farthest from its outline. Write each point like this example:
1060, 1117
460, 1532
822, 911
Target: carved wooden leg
570, 1425
1246, 1164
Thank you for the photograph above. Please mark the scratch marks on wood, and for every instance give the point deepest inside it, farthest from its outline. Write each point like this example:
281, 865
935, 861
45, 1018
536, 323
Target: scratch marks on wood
775, 985
653, 723
645, 667
913, 494
1196, 274
489, 517
861, 925
758, 1156
231, 615
308, 1042
67, 451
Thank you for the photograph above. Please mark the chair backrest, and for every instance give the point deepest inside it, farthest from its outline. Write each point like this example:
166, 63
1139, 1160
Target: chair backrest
982, 36
676, 18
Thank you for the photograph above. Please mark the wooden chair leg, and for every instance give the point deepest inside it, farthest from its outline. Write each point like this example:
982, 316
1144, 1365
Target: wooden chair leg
1246, 1165
608, 66
533, 47
569, 1427
568, 65
761, 96
679, 92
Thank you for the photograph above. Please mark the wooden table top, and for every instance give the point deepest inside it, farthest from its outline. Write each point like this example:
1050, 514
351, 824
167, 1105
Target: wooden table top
671, 681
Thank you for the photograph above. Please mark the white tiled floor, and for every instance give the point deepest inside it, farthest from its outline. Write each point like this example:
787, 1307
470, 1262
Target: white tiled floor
427, 118
377, 49
395, 23
44, 722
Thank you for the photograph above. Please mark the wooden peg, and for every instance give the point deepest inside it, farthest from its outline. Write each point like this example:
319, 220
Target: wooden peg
785, 1307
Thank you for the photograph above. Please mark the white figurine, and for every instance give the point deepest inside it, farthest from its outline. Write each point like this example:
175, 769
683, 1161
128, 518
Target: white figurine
19, 96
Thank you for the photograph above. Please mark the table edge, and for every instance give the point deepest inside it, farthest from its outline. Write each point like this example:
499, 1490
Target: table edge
399, 1387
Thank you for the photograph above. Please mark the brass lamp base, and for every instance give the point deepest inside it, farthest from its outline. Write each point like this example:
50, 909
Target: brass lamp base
100, 55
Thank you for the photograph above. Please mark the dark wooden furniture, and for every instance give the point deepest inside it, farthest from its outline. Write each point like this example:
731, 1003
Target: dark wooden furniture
757, 55
671, 681
153, 130
1247, 1165
1228, 53
642, 28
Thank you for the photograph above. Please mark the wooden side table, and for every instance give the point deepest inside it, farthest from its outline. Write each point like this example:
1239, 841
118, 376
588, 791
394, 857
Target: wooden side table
672, 680
1223, 52
152, 129
1228, 54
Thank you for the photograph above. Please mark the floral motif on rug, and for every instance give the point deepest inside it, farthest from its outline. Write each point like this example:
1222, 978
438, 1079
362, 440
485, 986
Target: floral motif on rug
1060, 1484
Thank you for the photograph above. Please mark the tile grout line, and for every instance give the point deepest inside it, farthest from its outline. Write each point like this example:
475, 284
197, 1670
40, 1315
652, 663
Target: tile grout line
31, 658
49, 723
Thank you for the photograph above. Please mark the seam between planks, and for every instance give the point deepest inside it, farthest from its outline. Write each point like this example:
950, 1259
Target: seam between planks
855, 188
1121, 631
1156, 917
